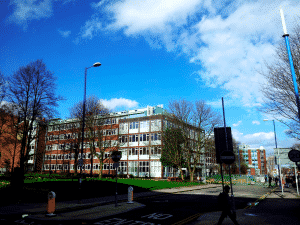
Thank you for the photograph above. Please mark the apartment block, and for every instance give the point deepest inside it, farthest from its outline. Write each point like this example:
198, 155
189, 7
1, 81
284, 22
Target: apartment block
255, 158
9, 144
136, 133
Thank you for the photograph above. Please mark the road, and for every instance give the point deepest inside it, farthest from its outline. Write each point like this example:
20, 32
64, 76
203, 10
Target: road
181, 208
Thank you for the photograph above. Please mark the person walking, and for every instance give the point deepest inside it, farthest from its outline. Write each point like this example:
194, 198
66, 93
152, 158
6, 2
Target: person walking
270, 180
226, 206
276, 180
266, 179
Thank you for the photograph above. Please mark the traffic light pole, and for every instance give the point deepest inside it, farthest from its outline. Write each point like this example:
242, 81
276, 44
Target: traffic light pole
116, 205
296, 176
232, 197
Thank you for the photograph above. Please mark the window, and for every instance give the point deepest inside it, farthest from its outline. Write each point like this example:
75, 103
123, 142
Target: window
106, 155
143, 137
155, 136
144, 166
133, 138
88, 155
133, 151
134, 125
123, 139
59, 157
95, 166
155, 150
159, 136
122, 167
132, 167
144, 151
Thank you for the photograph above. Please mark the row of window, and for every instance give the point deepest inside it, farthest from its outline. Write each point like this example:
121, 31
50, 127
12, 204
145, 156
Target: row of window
141, 124
66, 146
142, 151
143, 166
70, 156
75, 135
125, 152
143, 137
69, 126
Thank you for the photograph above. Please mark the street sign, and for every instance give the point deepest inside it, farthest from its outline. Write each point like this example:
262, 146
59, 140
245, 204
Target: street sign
116, 156
227, 157
116, 165
221, 142
80, 162
294, 155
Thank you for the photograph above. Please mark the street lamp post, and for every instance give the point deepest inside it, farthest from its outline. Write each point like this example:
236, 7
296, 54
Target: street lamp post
278, 164
97, 64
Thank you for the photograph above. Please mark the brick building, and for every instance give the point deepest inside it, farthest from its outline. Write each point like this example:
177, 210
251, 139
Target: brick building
9, 142
136, 133
255, 158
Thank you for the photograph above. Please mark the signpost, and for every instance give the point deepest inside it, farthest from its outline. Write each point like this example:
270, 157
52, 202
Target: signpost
294, 155
116, 156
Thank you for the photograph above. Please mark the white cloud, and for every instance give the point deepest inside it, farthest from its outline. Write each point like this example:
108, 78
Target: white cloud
119, 102
255, 122
65, 34
229, 40
237, 124
27, 10
136, 16
30, 10
259, 139
90, 28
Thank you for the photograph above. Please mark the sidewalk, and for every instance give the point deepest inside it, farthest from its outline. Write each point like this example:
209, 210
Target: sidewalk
90, 209
273, 208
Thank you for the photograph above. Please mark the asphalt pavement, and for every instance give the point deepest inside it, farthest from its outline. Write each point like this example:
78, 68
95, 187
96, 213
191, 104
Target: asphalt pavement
270, 208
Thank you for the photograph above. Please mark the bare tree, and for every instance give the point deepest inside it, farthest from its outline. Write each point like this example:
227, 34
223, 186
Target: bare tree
32, 89
97, 133
278, 90
172, 153
3, 87
201, 120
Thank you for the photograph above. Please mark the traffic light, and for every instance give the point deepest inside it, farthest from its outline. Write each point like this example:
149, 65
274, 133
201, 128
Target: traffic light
220, 141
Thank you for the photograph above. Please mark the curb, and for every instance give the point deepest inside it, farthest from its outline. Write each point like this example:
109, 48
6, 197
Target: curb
91, 205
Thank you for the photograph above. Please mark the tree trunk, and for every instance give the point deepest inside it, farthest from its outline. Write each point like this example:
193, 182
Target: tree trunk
181, 173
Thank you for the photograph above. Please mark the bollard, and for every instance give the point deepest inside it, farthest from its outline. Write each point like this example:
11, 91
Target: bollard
130, 195
51, 204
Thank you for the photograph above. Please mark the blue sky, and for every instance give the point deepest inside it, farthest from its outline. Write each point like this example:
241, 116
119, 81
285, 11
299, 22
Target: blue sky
153, 51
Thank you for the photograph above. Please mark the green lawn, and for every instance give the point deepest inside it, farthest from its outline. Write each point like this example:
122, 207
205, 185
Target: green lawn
151, 184
36, 188
143, 183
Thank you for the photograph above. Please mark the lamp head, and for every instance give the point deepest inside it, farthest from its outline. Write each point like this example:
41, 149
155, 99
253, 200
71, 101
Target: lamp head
97, 64
265, 120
